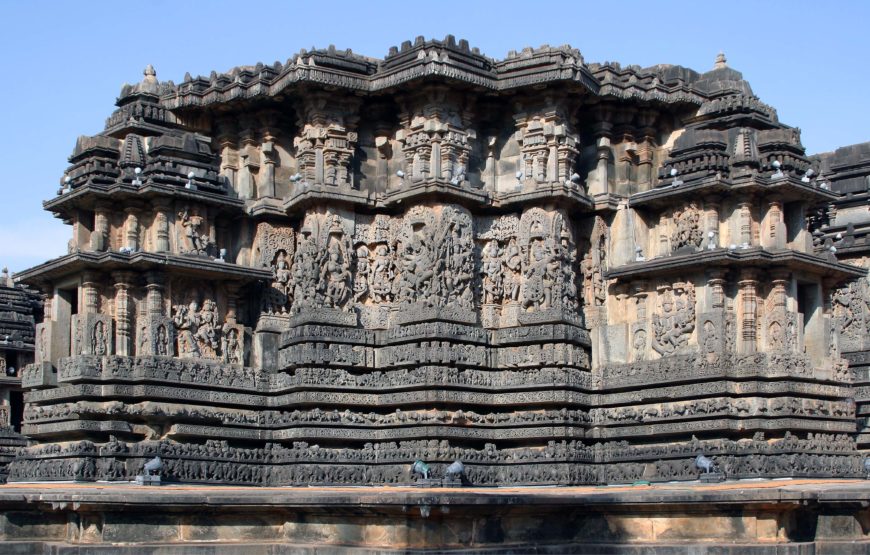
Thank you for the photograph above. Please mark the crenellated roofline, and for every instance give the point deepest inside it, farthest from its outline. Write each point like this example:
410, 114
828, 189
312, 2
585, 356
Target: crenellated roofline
444, 60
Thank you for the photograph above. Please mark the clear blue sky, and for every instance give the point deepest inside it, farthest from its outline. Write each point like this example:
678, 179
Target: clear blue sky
65, 61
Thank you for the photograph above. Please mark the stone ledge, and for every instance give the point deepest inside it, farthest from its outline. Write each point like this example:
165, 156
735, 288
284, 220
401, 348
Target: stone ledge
775, 517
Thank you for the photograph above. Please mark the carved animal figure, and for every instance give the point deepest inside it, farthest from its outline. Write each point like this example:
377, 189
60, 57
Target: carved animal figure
420, 468
705, 463
456, 471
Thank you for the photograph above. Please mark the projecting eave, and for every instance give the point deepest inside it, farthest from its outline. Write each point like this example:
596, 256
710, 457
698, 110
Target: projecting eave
787, 189
739, 259
121, 193
192, 266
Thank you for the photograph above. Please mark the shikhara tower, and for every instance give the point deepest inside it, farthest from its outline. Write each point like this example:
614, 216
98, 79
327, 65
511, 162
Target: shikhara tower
322, 270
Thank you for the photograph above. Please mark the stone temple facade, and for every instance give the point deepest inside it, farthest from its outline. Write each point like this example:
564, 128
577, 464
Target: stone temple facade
19, 306
556, 272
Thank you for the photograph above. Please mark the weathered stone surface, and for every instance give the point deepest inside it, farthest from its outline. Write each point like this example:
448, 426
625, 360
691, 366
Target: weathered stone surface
551, 271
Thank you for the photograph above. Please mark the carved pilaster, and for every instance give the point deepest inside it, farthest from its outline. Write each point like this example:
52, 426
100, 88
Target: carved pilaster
712, 224
162, 216
131, 228
90, 293
154, 296
327, 140
226, 139
250, 161
100, 234
745, 223
749, 312
266, 185
123, 312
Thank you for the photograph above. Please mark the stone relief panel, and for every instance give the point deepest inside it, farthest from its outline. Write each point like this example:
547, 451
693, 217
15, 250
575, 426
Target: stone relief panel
275, 247
194, 232
93, 334
674, 318
686, 228
594, 265
850, 308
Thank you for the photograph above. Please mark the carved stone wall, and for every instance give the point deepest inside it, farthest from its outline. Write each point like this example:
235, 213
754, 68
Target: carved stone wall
553, 271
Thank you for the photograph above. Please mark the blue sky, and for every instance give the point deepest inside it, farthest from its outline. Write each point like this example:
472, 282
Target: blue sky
65, 61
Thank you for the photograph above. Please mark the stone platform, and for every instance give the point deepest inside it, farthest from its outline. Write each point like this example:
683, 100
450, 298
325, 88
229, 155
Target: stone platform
779, 516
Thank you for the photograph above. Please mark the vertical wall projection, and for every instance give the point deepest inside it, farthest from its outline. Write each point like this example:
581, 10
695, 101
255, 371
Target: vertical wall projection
556, 272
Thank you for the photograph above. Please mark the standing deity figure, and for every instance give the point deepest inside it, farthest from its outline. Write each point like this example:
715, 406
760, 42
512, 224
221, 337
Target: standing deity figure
417, 269
232, 349
568, 257
491, 269
305, 271
207, 331
281, 272
382, 275
186, 322
192, 223
513, 266
335, 277
460, 267
363, 274
537, 291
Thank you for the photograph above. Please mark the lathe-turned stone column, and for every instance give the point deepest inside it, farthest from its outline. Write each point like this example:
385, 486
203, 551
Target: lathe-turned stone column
154, 296
226, 138
162, 217
748, 312
249, 161
774, 235
744, 223
90, 293
100, 234
266, 184
131, 228
123, 313
711, 224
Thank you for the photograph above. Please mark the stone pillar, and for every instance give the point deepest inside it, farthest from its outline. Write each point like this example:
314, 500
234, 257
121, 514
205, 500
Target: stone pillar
162, 216
749, 311
90, 293
645, 160
123, 313
664, 242
229, 154
266, 186
639, 292
745, 223
132, 228
154, 287
599, 185
232, 290
716, 289
100, 234
625, 163
774, 229
248, 149
712, 224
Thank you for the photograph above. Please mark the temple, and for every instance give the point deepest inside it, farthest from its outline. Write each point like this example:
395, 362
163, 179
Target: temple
552, 271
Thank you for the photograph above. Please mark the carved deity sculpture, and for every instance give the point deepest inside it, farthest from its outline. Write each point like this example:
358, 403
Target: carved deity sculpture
491, 269
305, 271
363, 275
382, 275
186, 320
674, 322
512, 268
335, 277
687, 228
196, 242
